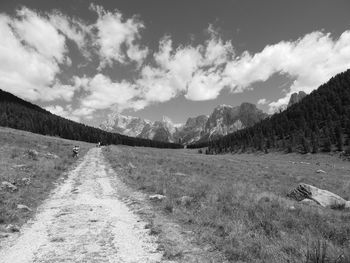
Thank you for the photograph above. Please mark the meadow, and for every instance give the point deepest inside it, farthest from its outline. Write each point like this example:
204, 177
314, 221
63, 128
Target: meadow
237, 204
34, 164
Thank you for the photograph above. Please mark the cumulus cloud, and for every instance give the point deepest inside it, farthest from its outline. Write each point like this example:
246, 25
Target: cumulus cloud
262, 101
31, 52
38, 33
310, 60
103, 93
195, 72
71, 28
117, 38
63, 112
201, 72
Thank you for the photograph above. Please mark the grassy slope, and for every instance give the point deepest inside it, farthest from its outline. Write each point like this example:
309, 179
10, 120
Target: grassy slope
16, 162
239, 205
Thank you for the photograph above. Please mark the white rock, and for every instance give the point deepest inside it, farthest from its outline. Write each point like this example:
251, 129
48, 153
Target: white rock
131, 165
51, 156
292, 207
33, 153
320, 196
320, 171
8, 186
157, 197
23, 207
25, 181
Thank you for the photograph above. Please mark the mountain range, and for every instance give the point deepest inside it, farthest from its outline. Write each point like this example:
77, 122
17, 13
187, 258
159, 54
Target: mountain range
223, 120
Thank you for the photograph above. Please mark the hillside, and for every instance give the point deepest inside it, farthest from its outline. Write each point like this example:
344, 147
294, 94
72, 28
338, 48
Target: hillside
19, 114
319, 122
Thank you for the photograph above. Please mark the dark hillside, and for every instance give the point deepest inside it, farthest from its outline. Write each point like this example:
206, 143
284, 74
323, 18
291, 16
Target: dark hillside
19, 114
319, 122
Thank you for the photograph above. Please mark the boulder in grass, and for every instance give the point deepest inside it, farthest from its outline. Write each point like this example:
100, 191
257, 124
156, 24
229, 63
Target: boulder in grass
320, 171
157, 197
33, 154
322, 197
51, 156
8, 186
23, 207
131, 166
25, 181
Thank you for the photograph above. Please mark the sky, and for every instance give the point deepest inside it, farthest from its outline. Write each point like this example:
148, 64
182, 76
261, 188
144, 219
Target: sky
84, 59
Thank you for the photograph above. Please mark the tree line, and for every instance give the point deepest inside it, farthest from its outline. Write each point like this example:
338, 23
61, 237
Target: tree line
20, 114
319, 122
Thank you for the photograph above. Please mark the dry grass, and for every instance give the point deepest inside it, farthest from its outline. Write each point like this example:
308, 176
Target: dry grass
33, 163
236, 203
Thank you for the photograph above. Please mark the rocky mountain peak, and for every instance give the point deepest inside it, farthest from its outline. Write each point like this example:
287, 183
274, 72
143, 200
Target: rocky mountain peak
296, 97
223, 120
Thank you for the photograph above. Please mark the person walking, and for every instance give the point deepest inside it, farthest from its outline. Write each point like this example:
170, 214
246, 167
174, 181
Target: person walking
76, 151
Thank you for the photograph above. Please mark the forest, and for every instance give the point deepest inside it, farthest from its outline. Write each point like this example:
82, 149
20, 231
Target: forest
318, 123
20, 114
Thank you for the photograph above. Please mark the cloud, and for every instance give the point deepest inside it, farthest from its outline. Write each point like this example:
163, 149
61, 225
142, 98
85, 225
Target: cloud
116, 38
202, 72
263, 101
310, 60
195, 72
71, 28
103, 93
31, 53
60, 111
39, 34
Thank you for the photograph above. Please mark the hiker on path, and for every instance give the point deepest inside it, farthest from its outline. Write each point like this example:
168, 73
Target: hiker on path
76, 151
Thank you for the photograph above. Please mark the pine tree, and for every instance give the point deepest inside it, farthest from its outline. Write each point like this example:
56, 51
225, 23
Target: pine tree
339, 137
314, 143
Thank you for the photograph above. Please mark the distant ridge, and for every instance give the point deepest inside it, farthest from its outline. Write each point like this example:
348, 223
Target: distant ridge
319, 121
20, 114
223, 120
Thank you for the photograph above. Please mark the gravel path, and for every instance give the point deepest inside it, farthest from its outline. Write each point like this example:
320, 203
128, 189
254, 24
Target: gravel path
84, 221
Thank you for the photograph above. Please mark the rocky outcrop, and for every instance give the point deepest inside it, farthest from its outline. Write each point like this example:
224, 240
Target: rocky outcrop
296, 97
321, 197
127, 125
226, 119
159, 131
8, 186
192, 131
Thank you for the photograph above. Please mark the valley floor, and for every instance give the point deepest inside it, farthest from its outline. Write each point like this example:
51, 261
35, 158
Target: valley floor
211, 208
93, 217
237, 205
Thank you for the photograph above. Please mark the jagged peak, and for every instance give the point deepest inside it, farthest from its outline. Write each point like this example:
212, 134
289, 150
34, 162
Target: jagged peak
223, 106
117, 115
166, 119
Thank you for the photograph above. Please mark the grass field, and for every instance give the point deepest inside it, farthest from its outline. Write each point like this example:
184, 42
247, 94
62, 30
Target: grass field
33, 163
236, 204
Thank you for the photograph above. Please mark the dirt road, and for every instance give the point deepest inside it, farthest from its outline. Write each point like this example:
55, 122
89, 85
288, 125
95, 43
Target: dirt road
84, 221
